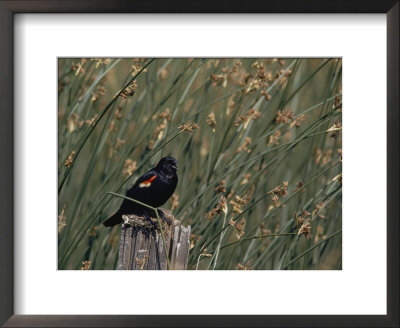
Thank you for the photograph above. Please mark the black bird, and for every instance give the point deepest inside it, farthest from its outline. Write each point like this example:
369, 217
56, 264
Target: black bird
153, 188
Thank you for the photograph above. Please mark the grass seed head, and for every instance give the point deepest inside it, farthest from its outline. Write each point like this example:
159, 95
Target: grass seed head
85, 265
129, 91
340, 153
163, 74
188, 127
274, 138
78, 68
237, 204
284, 116
222, 205
118, 113
91, 121
130, 167
266, 95
221, 187
279, 191
211, 121
338, 103
61, 220
239, 226
245, 146
319, 207
166, 114
297, 121
245, 119
138, 65
74, 122
300, 187
264, 231
246, 179
70, 159
220, 208
244, 267
305, 229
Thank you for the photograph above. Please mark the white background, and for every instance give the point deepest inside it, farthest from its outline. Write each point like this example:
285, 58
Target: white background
360, 288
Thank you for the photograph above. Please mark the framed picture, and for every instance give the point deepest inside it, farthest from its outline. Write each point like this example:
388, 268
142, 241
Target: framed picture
241, 160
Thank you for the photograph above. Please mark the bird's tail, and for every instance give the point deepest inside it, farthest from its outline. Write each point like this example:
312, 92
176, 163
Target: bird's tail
113, 220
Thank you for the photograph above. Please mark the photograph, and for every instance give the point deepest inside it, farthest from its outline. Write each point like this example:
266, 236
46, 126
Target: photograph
199, 163
196, 150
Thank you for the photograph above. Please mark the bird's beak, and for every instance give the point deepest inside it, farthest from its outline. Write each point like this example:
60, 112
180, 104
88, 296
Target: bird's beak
174, 167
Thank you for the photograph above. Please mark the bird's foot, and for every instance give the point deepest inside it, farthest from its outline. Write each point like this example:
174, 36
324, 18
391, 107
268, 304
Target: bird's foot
148, 219
163, 217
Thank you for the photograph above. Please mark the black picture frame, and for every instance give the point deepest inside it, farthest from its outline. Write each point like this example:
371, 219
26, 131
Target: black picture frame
7, 11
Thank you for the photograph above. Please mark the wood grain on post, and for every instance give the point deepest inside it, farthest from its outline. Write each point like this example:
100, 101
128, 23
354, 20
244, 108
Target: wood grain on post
142, 248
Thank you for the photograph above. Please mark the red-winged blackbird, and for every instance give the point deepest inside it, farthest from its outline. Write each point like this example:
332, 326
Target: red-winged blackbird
153, 188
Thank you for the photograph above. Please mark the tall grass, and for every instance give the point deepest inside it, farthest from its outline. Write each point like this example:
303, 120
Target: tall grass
258, 144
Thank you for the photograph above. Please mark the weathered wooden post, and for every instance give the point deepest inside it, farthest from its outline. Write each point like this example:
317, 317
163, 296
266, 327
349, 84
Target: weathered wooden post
142, 248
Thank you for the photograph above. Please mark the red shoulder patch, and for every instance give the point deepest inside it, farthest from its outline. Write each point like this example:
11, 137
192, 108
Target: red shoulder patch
151, 179
147, 183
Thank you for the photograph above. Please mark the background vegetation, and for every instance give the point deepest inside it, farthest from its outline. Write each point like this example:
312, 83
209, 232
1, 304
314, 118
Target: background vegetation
258, 144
